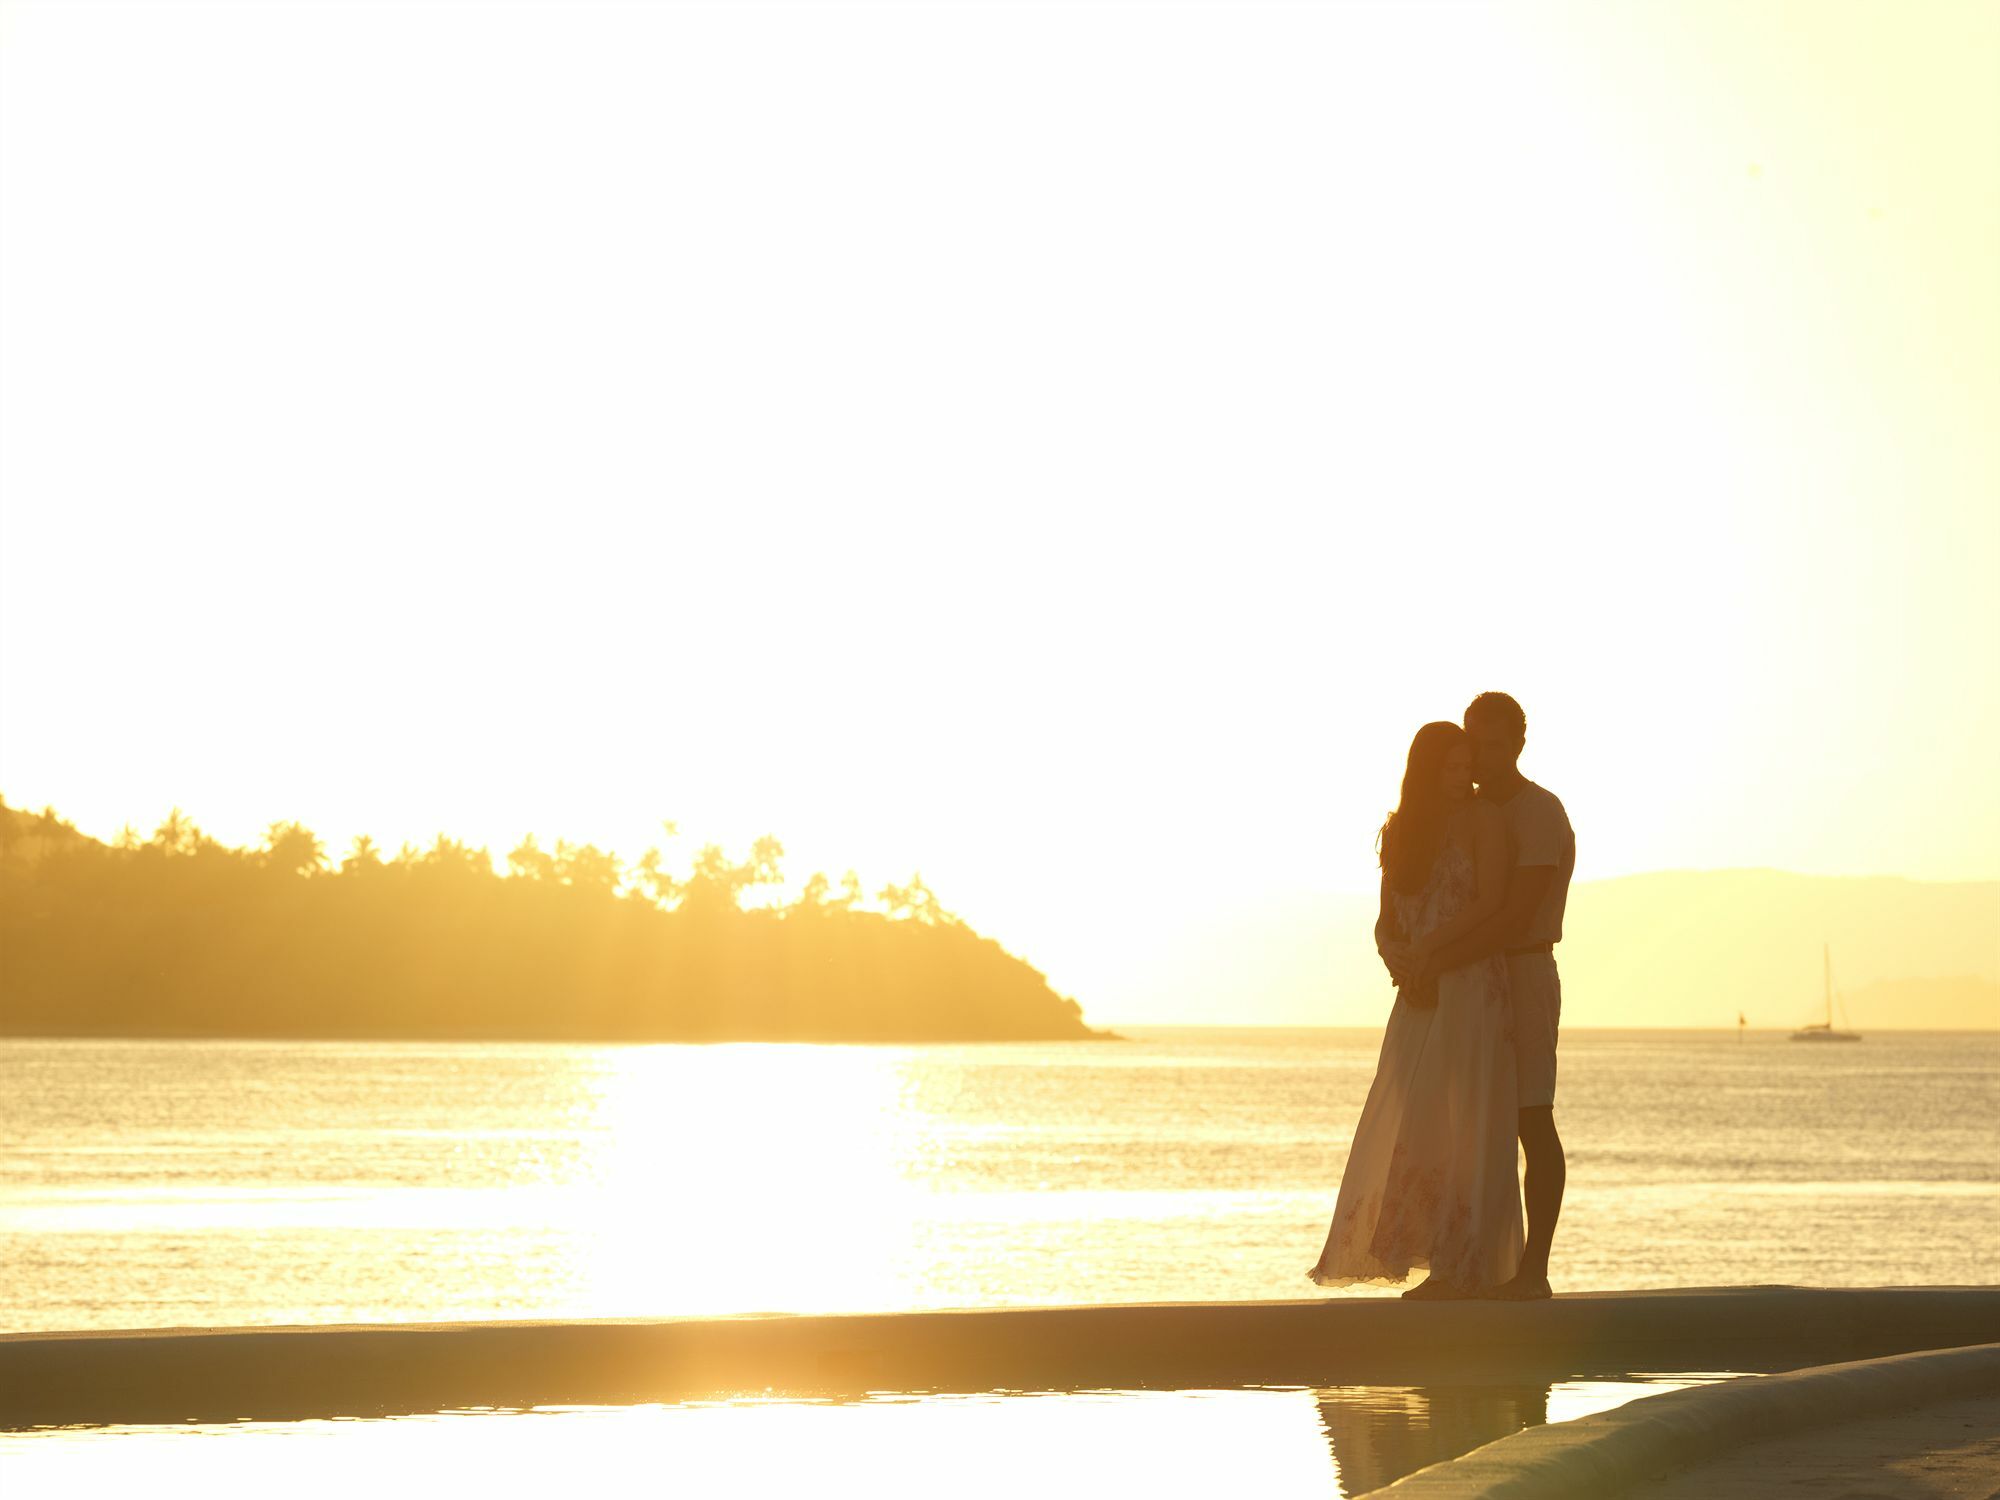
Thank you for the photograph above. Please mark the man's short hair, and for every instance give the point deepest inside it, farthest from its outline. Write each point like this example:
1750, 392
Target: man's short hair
1502, 706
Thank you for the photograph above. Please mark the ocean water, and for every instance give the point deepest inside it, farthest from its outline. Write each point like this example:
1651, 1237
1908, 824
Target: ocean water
175, 1183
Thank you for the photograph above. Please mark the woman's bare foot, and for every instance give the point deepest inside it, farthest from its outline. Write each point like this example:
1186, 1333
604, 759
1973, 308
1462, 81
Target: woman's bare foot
1525, 1286
1436, 1289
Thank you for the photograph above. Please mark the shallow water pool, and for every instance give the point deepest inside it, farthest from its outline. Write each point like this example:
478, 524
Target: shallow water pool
1275, 1441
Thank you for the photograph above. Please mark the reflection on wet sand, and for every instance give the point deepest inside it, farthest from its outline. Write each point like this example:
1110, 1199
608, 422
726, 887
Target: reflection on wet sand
1377, 1435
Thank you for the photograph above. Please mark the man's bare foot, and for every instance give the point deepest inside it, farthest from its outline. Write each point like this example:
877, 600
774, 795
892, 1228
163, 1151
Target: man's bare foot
1436, 1289
1525, 1286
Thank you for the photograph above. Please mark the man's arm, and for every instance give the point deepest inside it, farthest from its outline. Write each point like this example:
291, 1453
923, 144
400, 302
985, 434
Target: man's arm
1526, 886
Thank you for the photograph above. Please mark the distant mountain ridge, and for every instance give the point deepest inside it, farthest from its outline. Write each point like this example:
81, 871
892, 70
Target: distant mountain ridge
1690, 943
1667, 948
1925, 1004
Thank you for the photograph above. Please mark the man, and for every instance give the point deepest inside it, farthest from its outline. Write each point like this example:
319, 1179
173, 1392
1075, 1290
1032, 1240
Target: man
1527, 928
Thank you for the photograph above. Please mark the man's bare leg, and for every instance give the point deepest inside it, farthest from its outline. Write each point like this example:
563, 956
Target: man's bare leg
1542, 1183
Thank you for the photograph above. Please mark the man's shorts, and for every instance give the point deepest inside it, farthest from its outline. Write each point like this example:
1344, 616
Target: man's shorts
1535, 992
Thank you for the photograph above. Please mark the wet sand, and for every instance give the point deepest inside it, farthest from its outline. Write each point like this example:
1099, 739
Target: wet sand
1658, 1438
1949, 1451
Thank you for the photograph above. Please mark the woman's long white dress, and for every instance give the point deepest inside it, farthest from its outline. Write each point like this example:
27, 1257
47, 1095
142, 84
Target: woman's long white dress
1430, 1178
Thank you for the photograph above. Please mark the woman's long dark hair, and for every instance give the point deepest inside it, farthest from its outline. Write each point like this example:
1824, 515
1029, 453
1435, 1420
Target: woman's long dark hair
1412, 838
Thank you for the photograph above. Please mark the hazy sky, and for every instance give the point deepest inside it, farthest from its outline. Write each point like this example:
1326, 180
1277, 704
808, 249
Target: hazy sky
1066, 449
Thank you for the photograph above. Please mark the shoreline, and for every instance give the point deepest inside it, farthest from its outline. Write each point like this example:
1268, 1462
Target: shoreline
277, 1373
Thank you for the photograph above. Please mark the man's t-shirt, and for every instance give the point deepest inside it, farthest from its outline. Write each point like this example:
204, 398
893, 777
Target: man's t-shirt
1538, 831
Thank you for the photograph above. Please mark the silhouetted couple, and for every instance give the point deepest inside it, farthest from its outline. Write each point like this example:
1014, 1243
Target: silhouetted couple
1473, 889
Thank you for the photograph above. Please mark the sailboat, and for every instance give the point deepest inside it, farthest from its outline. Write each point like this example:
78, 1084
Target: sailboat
1822, 1031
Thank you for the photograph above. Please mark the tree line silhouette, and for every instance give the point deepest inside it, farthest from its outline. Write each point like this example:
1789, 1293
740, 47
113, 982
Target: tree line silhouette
180, 935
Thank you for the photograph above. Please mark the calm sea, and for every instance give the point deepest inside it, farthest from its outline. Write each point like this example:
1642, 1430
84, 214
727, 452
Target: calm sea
203, 1183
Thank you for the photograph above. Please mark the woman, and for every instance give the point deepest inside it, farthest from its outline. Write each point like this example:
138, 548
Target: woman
1430, 1176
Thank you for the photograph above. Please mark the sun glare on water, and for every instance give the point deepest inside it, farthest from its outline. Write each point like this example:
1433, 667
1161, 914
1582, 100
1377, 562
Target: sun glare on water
809, 1148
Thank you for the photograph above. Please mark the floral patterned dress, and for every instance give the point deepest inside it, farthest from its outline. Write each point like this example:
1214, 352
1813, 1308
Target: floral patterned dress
1430, 1178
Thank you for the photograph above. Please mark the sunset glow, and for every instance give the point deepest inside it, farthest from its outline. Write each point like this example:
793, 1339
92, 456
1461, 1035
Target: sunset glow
1063, 450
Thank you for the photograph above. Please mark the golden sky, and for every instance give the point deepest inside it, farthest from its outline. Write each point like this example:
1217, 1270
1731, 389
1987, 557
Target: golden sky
1066, 449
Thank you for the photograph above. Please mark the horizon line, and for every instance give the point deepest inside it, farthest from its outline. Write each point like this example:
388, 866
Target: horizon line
1376, 1029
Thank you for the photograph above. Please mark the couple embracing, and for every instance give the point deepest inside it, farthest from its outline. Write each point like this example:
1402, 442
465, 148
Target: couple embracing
1473, 889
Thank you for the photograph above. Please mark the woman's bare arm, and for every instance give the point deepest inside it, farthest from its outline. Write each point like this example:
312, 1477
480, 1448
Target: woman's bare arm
1390, 939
